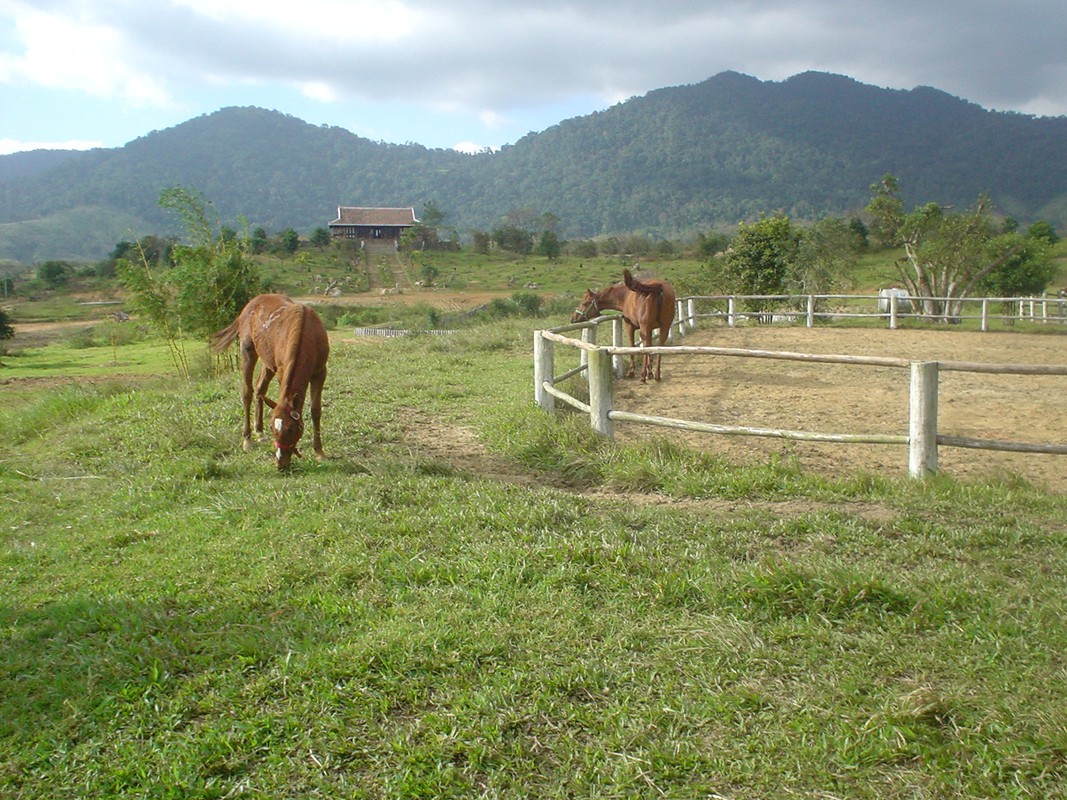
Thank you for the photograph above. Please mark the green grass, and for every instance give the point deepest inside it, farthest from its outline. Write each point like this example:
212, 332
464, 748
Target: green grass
87, 355
178, 620
473, 272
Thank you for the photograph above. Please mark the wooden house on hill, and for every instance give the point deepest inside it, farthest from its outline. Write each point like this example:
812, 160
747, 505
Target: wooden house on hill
372, 225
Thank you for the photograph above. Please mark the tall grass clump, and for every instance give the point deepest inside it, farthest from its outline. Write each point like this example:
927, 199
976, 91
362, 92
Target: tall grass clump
44, 411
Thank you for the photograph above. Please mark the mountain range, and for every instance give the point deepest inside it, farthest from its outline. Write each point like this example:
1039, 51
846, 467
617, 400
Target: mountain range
669, 163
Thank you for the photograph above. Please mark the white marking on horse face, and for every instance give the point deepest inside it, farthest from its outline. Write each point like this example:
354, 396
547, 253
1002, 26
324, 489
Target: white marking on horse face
278, 454
278, 425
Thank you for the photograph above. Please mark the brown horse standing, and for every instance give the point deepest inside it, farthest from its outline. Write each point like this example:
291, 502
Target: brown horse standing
645, 306
291, 341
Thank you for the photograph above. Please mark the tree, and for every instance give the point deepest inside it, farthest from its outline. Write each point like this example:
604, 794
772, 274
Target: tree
825, 257
53, 273
860, 231
710, 244
481, 241
432, 216
260, 241
1028, 272
1043, 230
760, 258
947, 255
587, 248
513, 238
203, 287
320, 237
7, 331
290, 240
886, 210
549, 245
550, 222
418, 237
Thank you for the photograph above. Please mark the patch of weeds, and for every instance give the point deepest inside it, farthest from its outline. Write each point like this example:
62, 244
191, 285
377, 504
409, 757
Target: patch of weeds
54, 409
783, 590
204, 469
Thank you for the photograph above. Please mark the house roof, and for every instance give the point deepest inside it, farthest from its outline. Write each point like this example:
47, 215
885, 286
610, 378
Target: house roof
352, 215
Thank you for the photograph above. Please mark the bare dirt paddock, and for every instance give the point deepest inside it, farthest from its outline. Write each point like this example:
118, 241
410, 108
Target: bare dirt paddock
834, 398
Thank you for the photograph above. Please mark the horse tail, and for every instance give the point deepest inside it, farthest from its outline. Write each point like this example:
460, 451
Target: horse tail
635, 285
220, 340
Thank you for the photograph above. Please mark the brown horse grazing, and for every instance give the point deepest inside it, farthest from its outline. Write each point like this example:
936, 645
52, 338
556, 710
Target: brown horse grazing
645, 306
291, 341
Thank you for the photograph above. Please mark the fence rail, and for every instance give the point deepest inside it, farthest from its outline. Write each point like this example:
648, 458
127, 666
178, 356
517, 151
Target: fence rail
601, 364
391, 333
893, 307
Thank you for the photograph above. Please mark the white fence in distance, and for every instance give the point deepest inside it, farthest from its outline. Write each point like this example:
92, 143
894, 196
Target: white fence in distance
892, 305
392, 333
602, 364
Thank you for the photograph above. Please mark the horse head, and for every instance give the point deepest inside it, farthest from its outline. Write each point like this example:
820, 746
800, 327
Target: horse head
288, 426
590, 303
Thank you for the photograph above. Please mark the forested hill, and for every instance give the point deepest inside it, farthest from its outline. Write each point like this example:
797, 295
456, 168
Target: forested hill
671, 162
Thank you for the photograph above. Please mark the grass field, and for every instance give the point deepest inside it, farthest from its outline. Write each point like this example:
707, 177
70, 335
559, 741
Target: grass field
551, 615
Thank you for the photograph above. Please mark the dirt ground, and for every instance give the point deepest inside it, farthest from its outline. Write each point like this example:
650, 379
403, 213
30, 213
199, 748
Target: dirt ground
833, 398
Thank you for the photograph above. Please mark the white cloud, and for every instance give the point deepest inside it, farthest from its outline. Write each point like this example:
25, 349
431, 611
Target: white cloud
320, 91
472, 148
350, 20
474, 70
492, 120
71, 52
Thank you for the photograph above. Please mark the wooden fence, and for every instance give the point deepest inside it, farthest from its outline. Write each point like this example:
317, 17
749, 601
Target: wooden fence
893, 307
392, 333
601, 364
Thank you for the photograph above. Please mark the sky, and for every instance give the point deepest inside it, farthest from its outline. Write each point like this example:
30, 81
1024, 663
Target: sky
476, 74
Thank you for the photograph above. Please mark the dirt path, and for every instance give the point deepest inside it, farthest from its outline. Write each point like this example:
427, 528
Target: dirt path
831, 398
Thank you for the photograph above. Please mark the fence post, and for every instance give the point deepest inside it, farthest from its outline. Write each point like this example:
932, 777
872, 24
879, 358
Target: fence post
619, 362
730, 310
601, 392
922, 419
679, 317
589, 337
691, 312
985, 314
543, 371
893, 311
811, 311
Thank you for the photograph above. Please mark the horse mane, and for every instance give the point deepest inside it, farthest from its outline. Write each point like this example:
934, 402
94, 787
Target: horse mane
292, 354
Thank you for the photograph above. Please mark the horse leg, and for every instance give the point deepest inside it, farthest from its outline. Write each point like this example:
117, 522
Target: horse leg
265, 377
663, 335
248, 364
316, 413
630, 335
646, 361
